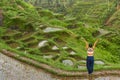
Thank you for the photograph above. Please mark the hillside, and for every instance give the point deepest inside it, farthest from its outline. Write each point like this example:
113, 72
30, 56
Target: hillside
56, 38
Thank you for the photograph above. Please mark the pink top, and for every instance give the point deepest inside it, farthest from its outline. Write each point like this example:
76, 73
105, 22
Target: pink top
90, 51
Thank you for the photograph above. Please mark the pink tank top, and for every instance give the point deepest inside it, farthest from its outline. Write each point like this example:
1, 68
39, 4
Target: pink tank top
90, 51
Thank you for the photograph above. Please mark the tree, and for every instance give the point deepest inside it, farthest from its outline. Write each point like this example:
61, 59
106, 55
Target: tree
71, 2
50, 2
38, 2
57, 3
118, 4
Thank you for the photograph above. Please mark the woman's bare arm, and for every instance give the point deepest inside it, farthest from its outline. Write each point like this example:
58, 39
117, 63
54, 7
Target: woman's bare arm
86, 44
95, 43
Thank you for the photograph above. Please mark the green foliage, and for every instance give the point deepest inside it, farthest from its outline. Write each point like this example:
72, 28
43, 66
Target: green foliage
57, 22
19, 14
2, 30
47, 13
23, 4
87, 16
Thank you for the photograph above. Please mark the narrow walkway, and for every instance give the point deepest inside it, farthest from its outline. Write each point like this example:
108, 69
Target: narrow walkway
11, 69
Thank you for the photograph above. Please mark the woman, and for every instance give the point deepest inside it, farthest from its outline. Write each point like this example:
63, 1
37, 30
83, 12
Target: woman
90, 56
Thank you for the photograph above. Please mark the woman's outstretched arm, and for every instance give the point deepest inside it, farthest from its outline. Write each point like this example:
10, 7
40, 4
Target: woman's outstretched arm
86, 43
95, 43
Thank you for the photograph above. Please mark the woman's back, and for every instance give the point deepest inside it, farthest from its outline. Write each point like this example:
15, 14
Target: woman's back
90, 51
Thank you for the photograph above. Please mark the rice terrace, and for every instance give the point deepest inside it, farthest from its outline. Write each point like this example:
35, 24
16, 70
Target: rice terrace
59, 40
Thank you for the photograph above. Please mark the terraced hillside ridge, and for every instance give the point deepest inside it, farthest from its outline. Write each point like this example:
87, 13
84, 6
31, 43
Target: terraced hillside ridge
48, 46
93, 12
55, 39
114, 19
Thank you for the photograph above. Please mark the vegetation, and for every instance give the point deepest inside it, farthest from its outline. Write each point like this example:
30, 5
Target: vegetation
24, 28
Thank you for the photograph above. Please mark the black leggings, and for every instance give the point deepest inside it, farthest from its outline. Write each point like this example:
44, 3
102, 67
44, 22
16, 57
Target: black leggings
90, 64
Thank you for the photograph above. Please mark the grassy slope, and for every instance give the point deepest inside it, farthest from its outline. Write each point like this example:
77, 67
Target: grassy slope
20, 13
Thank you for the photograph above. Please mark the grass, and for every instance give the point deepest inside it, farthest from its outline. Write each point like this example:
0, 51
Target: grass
101, 55
57, 64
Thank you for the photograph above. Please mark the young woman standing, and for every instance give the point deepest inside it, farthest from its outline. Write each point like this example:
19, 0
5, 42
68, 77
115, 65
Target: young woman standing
90, 55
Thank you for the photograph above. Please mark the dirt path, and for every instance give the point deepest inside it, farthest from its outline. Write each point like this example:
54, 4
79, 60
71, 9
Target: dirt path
11, 69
